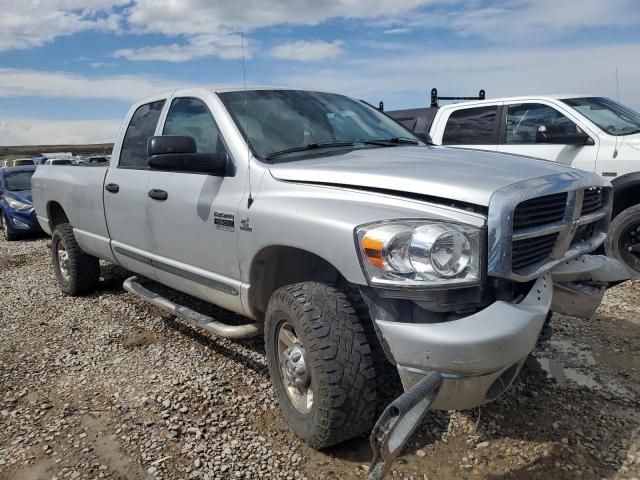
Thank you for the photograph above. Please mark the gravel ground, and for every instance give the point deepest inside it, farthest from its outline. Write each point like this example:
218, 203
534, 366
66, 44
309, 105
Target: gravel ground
108, 387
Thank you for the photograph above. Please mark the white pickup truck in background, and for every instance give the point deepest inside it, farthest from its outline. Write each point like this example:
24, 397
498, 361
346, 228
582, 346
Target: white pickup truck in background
594, 134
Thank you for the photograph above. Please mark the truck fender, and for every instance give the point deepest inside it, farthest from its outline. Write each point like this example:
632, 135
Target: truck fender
626, 191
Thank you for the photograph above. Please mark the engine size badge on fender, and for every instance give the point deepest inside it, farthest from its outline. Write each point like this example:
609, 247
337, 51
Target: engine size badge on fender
224, 221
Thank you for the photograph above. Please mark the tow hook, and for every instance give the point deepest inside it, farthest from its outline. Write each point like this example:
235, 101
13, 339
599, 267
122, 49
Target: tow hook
398, 422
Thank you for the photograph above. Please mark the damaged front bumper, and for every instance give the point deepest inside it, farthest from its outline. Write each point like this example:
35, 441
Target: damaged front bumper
463, 363
472, 353
480, 355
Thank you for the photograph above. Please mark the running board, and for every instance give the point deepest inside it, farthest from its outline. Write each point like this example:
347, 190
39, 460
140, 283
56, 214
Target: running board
205, 322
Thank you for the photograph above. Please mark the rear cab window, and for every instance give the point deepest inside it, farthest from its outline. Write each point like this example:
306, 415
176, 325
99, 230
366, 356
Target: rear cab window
141, 127
472, 126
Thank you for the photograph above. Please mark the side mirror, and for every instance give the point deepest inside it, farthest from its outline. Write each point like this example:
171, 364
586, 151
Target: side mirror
179, 154
557, 135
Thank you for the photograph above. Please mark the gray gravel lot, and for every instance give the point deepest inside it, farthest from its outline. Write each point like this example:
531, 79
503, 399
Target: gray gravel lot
108, 387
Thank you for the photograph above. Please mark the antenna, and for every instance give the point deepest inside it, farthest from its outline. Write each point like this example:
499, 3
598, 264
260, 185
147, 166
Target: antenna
246, 123
615, 151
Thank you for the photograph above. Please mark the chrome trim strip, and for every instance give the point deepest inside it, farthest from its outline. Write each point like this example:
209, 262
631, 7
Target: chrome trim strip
500, 221
194, 277
539, 231
593, 217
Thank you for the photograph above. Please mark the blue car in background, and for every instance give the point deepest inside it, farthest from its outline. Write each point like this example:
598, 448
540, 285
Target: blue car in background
17, 215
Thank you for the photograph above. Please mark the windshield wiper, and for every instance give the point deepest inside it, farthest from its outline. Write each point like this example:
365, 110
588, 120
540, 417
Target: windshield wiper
387, 142
310, 146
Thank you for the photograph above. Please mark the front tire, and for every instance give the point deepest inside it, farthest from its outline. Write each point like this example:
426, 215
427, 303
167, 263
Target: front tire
77, 273
320, 363
623, 241
8, 234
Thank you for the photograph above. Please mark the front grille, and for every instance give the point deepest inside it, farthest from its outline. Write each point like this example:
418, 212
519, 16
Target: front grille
593, 201
530, 251
529, 236
540, 211
584, 233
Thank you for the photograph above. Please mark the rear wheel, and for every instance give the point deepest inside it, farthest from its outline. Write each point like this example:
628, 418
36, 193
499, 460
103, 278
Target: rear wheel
77, 273
623, 241
320, 363
8, 234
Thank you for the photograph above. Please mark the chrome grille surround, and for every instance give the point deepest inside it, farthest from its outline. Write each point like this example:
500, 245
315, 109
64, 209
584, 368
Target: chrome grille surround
500, 222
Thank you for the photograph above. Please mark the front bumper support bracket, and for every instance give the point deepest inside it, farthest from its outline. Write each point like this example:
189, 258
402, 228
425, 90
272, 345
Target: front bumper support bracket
398, 422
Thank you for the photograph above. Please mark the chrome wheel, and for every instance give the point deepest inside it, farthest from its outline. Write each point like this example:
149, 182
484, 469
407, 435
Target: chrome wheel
293, 369
2, 226
63, 261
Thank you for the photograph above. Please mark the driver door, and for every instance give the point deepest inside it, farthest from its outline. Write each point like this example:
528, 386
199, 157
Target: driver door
193, 225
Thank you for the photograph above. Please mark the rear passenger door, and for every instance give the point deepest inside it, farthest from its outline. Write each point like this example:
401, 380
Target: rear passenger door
125, 195
473, 127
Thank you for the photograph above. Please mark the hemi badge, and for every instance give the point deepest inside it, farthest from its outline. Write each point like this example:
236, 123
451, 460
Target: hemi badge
609, 174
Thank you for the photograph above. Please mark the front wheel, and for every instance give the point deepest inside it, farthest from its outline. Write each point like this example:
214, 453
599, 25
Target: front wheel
320, 363
623, 241
8, 234
77, 273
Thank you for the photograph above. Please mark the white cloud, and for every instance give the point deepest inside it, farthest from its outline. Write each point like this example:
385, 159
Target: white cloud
502, 72
224, 46
211, 28
193, 17
396, 31
32, 23
31, 131
538, 21
305, 51
102, 64
33, 83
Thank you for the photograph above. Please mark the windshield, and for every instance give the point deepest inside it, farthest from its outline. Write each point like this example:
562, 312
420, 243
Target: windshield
613, 118
277, 121
20, 180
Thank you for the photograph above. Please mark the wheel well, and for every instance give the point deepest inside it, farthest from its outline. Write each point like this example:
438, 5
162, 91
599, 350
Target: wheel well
626, 197
56, 214
276, 266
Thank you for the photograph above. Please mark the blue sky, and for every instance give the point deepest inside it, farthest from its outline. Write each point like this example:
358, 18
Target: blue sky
69, 69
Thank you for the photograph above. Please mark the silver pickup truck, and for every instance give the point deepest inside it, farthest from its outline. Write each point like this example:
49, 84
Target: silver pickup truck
343, 239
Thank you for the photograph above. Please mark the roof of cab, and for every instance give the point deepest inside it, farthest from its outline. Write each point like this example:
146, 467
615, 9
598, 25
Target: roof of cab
521, 98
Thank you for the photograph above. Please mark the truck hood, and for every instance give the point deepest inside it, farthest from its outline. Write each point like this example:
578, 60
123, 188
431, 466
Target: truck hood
456, 174
633, 141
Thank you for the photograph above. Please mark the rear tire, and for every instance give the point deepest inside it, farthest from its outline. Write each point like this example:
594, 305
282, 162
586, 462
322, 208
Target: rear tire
8, 234
77, 273
624, 233
336, 361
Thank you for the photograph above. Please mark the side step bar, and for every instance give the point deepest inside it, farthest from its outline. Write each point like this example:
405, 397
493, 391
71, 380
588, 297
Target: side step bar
205, 322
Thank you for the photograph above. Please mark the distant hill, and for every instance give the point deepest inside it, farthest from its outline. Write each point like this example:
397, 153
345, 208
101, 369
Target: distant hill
31, 150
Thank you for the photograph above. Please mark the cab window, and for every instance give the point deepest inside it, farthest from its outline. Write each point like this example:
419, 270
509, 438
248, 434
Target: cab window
472, 126
140, 129
525, 120
190, 117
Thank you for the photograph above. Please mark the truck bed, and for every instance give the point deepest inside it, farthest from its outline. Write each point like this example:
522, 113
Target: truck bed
81, 191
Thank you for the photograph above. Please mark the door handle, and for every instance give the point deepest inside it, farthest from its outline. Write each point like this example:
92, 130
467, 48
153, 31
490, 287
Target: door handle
159, 195
112, 187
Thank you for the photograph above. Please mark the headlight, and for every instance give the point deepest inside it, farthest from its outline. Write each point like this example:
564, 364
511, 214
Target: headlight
420, 253
17, 204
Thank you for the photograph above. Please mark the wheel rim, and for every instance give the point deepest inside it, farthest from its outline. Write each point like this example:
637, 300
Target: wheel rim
63, 261
2, 227
629, 245
294, 371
